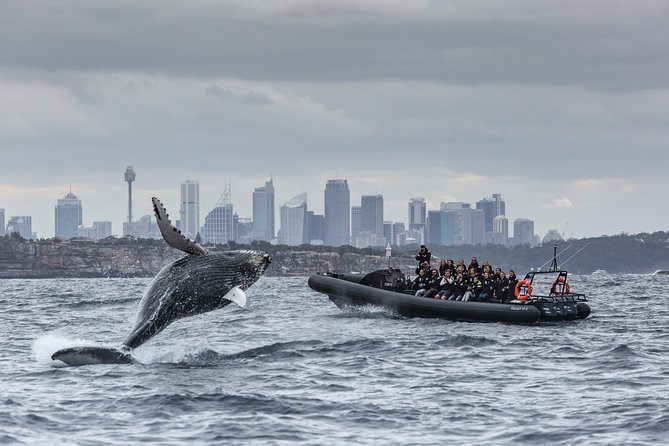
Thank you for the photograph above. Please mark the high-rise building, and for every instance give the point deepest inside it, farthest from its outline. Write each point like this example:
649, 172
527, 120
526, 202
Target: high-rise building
23, 225
263, 212
388, 234
316, 228
145, 227
337, 213
219, 223
399, 234
500, 230
99, 230
293, 230
129, 178
68, 212
190, 208
2, 222
356, 223
491, 207
441, 228
523, 232
243, 227
371, 218
456, 224
417, 213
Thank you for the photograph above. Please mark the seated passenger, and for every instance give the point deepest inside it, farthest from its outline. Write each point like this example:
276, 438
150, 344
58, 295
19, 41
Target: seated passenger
476, 286
450, 265
474, 264
445, 286
486, 263
420, 283
460, 288
487, 287
425, 266
442, 266
502, 287
433, 284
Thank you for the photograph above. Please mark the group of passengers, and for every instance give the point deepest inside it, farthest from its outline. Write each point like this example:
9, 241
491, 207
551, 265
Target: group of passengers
455, 281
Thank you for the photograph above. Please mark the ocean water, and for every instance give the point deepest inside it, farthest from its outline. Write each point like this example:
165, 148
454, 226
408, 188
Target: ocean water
292, 368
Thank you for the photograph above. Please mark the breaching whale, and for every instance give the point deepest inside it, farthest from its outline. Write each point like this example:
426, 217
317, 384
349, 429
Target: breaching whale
201, 281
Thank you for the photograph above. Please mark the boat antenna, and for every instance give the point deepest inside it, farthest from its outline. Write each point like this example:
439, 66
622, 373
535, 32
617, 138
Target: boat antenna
576, 253
554, 265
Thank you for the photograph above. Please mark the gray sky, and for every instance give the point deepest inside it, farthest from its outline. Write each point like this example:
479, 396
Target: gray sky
560, 106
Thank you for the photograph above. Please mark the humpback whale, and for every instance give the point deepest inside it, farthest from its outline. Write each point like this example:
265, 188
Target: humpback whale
201, 281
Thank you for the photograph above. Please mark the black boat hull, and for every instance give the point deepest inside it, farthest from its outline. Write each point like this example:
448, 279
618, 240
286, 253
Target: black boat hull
345, 293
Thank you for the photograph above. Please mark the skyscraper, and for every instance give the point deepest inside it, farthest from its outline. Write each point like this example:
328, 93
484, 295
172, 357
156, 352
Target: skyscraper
23, 225
316, 228
293, 230
219, 223
337, 213
68, 216
491, 207
523, 232
263, 212
456, 224
417, 213
129, 178
356, 224
2, 222
190, 208
371, 218
500, 230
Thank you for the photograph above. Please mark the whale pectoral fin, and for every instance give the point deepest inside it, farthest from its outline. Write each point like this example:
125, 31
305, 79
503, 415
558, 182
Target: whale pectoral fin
92, 355
236, 295
171, 234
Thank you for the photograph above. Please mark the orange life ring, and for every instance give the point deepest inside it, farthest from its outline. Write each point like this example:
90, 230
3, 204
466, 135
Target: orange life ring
526, 284
566, 289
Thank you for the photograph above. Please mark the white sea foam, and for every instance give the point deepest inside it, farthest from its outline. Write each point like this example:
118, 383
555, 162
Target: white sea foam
47, 345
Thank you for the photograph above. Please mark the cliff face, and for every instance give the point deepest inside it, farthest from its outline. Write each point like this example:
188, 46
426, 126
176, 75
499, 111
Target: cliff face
63, 258
76, 258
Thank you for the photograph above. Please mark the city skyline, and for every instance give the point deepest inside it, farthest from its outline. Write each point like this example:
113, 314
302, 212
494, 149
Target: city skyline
561, 108
204, 210
366, 222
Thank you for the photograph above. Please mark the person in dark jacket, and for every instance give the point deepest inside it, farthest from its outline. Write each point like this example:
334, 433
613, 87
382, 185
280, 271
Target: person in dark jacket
460, 287
446, 286
421, 283
513, 281
433, 284
442, 267
502, 287
474, 264
423, 255
487, 287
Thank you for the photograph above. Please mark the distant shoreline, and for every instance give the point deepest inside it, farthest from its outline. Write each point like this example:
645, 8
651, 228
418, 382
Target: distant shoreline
127, 257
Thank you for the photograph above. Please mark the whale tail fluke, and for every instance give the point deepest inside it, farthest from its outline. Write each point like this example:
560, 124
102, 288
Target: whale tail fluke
75, 356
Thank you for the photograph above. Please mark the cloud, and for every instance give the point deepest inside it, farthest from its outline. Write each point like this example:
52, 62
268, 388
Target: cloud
250, 98
451, 101
561, 203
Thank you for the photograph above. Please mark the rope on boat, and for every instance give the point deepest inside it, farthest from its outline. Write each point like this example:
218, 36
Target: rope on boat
575, 254
558, 255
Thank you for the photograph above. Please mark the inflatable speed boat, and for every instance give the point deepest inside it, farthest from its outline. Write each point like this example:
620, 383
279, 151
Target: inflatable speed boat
390, 288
